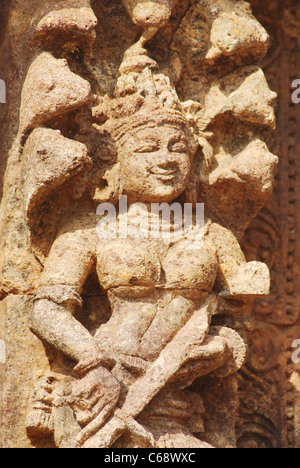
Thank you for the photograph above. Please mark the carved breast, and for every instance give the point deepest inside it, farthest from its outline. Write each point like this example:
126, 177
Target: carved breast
125, 263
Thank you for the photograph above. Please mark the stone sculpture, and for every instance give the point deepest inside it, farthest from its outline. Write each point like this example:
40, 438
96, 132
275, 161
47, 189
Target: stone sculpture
149, 372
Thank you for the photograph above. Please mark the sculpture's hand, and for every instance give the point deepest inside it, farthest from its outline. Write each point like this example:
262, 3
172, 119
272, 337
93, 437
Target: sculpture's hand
97, 392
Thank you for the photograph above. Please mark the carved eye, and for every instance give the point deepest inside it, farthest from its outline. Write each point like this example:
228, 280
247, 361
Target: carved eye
147, 148
178, 147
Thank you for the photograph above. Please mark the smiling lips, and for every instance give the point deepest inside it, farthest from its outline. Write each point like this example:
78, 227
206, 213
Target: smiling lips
164, 174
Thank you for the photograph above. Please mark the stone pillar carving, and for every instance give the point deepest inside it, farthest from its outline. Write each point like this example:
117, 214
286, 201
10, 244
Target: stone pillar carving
133, 339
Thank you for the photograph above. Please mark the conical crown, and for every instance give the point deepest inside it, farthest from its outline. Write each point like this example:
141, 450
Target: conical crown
143, 96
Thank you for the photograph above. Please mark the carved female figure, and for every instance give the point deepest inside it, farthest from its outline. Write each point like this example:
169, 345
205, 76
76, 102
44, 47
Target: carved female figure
146, 319
163, 294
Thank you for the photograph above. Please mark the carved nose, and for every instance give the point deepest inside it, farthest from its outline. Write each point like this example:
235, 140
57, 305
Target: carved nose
167, 162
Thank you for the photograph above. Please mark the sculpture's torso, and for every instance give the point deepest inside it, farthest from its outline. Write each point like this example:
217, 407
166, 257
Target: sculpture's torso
155, 283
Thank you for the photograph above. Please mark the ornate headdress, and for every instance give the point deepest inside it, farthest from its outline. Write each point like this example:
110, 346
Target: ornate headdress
143, 96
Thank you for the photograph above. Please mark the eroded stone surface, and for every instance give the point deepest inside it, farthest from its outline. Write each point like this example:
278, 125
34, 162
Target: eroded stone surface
144, 337
50, 90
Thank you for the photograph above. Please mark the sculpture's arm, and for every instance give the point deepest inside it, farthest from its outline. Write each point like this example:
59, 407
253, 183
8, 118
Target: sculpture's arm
70, 261
236, 277
96, 392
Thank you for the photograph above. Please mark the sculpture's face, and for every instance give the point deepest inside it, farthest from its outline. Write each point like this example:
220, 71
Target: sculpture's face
155, 164
149, 13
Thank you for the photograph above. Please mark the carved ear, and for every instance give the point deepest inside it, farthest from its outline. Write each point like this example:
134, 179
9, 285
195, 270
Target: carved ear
113, 189
49, 162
